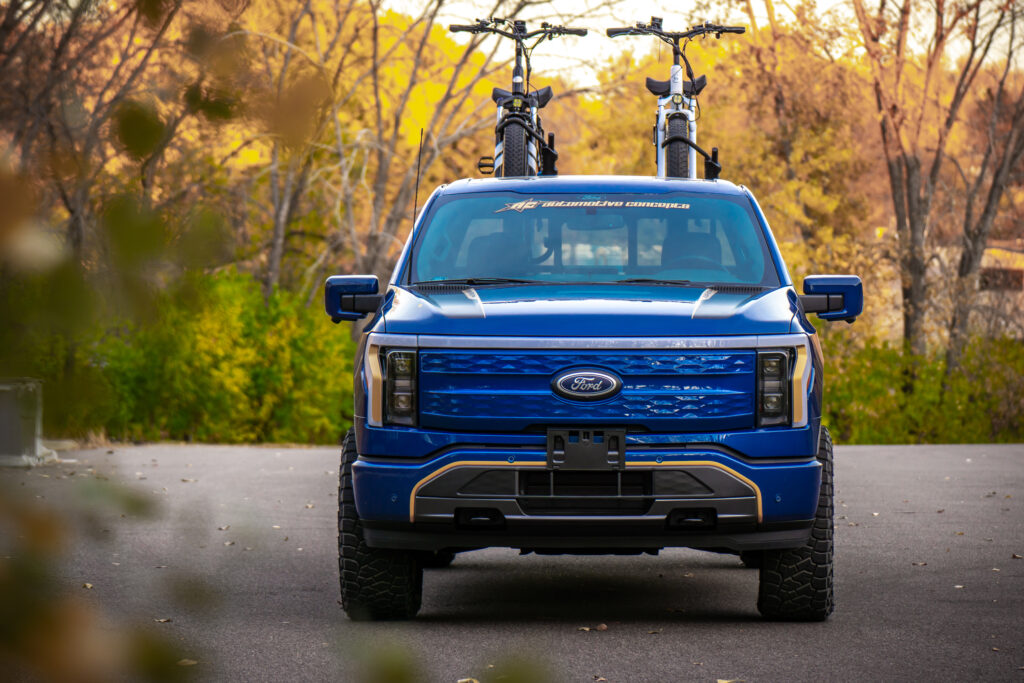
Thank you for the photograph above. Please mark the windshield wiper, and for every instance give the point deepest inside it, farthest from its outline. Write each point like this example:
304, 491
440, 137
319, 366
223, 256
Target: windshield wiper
654, 281
479, 281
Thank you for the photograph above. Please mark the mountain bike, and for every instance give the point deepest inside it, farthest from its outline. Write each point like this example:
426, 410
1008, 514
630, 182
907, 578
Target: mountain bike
675, 130
520, 148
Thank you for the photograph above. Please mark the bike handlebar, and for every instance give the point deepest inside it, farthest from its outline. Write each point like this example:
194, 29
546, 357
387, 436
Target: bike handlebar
485, 26
654, 29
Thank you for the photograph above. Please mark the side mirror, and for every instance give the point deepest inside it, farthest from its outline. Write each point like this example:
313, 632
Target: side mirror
833, 297
350, 297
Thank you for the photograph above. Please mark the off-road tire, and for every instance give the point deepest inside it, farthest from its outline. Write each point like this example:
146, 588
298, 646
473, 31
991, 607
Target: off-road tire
677, 154
796, 584
514, 151
438, 560
376, 584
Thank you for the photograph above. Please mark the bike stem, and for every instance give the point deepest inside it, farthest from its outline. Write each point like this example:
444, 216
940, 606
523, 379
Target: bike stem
518, 82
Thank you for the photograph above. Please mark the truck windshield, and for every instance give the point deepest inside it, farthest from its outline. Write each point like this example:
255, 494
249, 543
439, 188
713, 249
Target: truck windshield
608, 237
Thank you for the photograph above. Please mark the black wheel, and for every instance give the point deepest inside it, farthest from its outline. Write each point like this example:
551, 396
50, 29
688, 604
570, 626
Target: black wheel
514, 151
375, 583
752, 559
438, 560
796, 584
677, 154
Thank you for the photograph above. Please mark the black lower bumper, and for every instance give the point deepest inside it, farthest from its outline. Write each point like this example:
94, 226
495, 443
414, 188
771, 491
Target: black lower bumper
594, 534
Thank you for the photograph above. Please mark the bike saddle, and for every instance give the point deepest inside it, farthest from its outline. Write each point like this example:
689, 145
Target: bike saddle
539, 97
690, 89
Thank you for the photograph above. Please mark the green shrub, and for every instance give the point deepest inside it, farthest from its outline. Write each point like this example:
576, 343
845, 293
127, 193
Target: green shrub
876, 394
218, 364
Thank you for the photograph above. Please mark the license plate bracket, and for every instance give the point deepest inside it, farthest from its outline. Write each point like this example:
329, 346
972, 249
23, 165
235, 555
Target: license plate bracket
586, 448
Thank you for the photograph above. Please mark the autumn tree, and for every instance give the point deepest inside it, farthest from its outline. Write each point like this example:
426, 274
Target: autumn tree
927, 62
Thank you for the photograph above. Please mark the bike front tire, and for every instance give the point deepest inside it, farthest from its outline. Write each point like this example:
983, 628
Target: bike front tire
677, 152
514, 150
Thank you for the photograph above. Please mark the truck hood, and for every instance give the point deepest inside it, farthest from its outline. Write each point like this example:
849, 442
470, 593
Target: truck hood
588, 311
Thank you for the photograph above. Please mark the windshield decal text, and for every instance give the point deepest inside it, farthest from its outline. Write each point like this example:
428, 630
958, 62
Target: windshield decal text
531, 203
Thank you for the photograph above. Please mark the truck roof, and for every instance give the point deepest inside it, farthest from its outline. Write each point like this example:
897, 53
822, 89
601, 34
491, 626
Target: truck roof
592, 183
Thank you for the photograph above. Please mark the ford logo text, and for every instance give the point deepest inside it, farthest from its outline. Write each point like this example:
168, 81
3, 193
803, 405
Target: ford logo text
584, 384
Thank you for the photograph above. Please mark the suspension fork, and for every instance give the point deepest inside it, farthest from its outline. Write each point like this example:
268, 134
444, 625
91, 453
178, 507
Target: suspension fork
676, 104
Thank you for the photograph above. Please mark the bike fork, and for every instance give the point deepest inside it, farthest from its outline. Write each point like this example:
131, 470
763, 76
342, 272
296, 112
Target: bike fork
675, 104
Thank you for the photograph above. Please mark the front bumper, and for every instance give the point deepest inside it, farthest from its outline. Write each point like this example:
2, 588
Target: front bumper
683, 497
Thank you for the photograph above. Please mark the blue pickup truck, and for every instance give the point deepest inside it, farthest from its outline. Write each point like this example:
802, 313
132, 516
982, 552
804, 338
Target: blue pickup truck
588, 364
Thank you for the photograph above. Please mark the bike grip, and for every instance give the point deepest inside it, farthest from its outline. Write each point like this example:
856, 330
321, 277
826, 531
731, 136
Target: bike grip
455, 28
612, 32
733, 29
575, 31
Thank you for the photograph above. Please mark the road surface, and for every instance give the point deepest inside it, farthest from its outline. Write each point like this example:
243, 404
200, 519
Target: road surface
240, 557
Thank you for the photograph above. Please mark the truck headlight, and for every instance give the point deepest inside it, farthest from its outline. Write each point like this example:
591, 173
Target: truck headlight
773, 388
400, 387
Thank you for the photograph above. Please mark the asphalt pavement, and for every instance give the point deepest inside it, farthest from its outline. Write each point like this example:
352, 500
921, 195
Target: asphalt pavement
238, 565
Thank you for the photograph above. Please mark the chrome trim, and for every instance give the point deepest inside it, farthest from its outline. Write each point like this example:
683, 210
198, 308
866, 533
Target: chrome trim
381, 339
744, 342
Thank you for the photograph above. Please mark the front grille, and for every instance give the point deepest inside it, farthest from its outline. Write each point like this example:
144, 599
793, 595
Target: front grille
585, 493
662, 391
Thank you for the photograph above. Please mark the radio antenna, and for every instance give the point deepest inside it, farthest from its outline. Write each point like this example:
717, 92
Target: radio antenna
416, 192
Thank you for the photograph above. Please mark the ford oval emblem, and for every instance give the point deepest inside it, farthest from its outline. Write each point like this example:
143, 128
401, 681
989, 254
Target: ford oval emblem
585, 384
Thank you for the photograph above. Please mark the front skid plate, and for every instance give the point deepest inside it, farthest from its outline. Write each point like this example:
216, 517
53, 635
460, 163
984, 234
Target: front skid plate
423, 537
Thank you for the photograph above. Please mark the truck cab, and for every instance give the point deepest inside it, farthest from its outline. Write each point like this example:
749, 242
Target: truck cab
588, 364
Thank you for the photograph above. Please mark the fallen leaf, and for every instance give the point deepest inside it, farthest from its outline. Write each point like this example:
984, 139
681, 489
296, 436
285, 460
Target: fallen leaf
87, 586
246, 548
276, 526
655, 632
116, 564
919, 564
187, 662
958, 586
162, 621
959, 533
583, 628
874, 514
468, 680
188, 481
224, 528
1015, 556
688, 575
229, 542
309, 506
941, 511
995, 649
600, 679
601, 627
994, 569
730, 680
